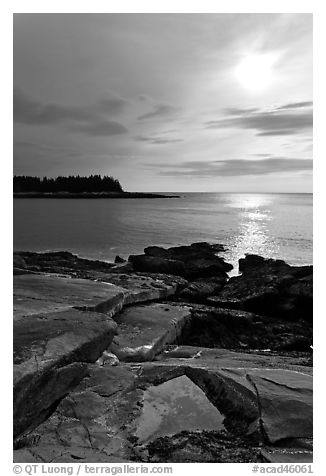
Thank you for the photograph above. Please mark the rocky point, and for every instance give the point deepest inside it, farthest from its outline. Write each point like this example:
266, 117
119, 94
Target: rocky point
94, 341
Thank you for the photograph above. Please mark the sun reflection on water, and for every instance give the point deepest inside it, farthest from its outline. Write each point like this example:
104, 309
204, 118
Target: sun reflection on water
253, 235
248, 201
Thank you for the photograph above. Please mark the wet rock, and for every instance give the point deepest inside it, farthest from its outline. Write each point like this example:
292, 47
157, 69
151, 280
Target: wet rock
102, 414
90, 412
192, 262
269, 287
230, 393
283, 398
175, 405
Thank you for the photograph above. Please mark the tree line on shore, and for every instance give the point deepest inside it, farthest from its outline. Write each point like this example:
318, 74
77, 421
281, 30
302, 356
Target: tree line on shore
72, 184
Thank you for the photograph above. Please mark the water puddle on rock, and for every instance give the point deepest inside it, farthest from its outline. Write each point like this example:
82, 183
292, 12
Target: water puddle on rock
174, 406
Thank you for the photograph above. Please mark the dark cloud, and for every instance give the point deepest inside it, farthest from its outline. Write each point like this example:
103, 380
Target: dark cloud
296, 105
159, 110
101, 128
143, 97
285, 132
89, 119
236, 167
157, 140
262, 155
280, 121
39, 149
113, 105
234, 111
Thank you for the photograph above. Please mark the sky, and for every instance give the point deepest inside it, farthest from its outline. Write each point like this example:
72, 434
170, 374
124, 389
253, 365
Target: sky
166, 102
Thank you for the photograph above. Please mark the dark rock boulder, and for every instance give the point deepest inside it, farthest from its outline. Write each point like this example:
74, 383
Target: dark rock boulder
253, 262
157, 252
18, 261
19, 265
61, 262
194, 261
120, 268
269, 287
206, 266
235, 329
204, 246
185, 251
199, 290
153, 264
118, 259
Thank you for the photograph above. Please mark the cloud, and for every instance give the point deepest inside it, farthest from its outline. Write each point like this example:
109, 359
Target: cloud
41, 149
144, 97
285, 132
262, 155
235, 111
284, 120
157, 139
296, 105
91, 120
159, 110
101, 128
236, 167
112, 105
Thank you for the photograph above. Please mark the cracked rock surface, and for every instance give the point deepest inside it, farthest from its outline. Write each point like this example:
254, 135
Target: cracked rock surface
92, 340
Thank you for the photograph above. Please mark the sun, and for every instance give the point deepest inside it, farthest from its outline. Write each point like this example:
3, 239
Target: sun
256, 71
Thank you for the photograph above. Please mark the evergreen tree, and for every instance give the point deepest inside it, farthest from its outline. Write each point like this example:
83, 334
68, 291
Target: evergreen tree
72, 184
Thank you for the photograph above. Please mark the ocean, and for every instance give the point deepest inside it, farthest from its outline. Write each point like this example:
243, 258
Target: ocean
271, 225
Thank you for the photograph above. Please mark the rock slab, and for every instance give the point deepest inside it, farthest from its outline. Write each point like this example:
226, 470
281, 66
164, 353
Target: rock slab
144, 330
50, 355
99, 419
36, 293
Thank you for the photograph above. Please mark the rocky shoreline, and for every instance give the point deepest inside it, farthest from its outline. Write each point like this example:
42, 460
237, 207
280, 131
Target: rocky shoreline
94, 341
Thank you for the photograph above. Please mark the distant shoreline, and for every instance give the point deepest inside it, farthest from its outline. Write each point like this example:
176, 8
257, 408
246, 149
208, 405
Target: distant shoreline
92, 195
